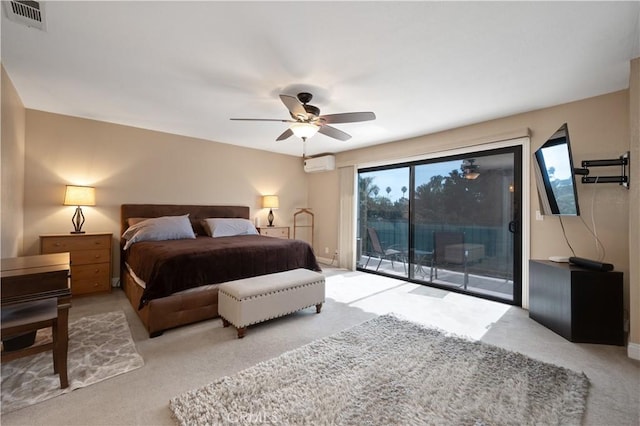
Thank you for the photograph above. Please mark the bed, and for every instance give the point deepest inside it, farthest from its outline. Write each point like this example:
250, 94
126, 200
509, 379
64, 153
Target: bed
175, 282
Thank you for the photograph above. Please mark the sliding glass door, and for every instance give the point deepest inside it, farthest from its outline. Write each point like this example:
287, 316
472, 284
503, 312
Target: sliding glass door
448, 222
383, 220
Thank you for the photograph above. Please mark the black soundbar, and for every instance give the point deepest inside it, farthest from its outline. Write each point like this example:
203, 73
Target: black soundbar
591, 264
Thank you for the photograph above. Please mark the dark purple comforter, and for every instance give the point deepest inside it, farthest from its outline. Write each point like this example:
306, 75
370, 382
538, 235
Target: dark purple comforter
171, 266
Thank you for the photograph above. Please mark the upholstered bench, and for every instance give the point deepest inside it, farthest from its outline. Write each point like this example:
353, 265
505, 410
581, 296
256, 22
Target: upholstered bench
256, 299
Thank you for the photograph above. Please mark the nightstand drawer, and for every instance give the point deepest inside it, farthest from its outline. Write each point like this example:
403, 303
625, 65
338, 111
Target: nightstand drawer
91, 286
90, 278
90, 259
58, 244
276, 231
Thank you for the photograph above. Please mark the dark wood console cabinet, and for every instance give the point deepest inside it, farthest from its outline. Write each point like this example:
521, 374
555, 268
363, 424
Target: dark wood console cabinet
581, 305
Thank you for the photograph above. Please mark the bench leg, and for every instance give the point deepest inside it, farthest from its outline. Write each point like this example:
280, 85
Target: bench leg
318, 308
225, 323
241, 332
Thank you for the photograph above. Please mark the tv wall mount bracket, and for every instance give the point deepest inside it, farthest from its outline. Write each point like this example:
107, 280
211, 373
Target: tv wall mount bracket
623, 161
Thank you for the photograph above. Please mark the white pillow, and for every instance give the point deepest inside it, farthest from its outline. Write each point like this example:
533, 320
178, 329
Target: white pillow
219, 227
159, 229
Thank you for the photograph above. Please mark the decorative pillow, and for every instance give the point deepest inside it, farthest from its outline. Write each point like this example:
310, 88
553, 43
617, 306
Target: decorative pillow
159, 229
219, 227
133, 220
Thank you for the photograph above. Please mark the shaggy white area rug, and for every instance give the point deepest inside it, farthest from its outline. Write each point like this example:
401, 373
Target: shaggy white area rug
100, 347
388, 371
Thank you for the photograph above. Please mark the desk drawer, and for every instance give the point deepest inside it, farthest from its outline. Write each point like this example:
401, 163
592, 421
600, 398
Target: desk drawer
90, 278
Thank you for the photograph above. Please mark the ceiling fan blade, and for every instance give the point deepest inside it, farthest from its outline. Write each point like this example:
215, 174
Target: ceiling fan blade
294, 106
263, 119
347, 117
332, 132
286, 134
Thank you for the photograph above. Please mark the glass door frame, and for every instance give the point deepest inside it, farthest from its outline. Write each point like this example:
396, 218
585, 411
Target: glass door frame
520, 148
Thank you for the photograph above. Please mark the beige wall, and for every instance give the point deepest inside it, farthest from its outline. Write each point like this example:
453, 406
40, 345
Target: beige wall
131, 165
634, 207
13, 145
599, 129
324, 188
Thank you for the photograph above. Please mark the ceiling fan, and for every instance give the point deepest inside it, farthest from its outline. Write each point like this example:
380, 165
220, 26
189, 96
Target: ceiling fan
469, 169
306, 119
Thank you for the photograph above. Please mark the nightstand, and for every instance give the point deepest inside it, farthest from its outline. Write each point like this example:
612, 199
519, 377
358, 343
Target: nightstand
275, 231
90, 259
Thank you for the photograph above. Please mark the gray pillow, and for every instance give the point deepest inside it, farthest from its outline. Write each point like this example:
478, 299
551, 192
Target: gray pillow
159, 229
228, 227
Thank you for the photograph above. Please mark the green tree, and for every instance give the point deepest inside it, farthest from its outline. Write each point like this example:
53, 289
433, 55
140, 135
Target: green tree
366, 187
448, 200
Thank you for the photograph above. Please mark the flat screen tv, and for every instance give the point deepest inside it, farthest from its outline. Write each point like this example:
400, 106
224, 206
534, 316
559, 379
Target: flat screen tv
555, 175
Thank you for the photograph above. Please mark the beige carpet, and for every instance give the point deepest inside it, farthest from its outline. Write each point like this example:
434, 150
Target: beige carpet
391, 371
100, 347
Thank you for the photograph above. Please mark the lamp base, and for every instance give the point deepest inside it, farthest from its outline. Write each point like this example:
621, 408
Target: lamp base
270, 217
78, 221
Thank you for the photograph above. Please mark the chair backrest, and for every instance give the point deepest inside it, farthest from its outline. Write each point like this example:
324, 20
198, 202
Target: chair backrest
375, 242
442, 239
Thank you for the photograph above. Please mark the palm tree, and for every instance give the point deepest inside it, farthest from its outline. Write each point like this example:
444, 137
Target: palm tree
388, 191
404, 190
365, 188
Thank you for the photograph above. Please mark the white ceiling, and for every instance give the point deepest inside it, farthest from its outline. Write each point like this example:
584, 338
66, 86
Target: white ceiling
422, 67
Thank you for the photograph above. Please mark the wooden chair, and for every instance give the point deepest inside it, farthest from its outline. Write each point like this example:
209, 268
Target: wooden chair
28, 317
383, 253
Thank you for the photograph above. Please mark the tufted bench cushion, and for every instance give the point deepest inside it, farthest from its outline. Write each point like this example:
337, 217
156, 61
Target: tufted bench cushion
256, 299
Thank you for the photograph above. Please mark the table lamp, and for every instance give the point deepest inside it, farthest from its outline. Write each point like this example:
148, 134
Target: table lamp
79, 196
270, 202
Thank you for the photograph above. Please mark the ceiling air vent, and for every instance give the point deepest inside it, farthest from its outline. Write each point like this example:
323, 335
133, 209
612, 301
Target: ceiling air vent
29, 13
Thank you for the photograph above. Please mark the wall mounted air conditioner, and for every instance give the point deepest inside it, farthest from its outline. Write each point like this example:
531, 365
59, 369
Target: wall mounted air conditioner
320, 164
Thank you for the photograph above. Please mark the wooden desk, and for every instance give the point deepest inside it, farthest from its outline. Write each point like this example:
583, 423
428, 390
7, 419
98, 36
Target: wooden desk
32, 278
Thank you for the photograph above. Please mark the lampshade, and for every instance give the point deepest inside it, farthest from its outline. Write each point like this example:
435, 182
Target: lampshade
304, 130
471, 175
80, 196
270, 202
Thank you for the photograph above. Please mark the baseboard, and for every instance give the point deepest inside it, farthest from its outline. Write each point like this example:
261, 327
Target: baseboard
325, 261
633, 350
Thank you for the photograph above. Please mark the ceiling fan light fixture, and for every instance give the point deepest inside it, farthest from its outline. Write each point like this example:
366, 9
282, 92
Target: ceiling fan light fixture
304, 130
469, 169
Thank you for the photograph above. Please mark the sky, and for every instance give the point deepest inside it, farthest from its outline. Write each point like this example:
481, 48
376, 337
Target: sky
397, 178
557, 156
